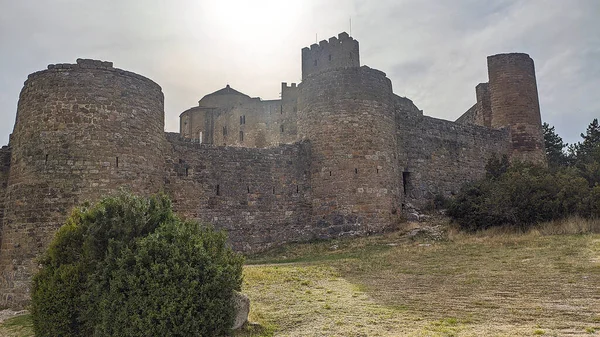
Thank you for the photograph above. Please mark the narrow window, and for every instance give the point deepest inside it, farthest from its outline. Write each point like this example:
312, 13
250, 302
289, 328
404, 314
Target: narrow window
241, 120
218, 190
315, 63
200, 137
329, 57
244, 119
281, 109
248, 188
224, 131
281, 127
117, 161
330, 173
405, 181
46, 162
297, 189
355, 171
241, 136
273, 189
187, 171
378, 170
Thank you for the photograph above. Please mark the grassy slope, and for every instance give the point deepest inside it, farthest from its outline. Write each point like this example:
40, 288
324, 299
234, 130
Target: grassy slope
501, 285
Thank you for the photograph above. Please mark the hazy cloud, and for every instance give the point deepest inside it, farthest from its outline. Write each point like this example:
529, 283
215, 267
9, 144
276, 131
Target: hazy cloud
434, 51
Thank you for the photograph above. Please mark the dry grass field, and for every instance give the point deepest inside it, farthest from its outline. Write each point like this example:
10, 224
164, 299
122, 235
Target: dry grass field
545, 282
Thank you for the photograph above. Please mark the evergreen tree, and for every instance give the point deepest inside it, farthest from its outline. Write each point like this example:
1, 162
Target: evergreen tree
588, 154
554, 147
588, 149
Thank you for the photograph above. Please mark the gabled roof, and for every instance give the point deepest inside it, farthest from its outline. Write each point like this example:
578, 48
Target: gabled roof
227, 91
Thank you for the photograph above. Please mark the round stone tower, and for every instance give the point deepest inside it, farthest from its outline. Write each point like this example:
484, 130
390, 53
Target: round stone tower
82, 131
515, 104
348, 116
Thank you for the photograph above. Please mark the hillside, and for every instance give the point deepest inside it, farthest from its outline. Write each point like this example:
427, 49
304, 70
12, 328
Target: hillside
427, 283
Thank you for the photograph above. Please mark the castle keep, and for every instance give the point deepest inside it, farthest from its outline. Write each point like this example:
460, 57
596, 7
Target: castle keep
338, 154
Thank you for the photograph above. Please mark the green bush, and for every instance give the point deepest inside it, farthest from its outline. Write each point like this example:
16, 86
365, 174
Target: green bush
128, 267
56, 297
177, 281
521, 196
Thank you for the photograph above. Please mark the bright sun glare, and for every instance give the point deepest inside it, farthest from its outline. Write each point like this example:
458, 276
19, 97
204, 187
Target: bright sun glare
244, 18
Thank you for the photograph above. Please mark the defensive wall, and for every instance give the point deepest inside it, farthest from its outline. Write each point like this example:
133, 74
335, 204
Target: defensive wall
4, 170
441, 156
260, 196
339, 154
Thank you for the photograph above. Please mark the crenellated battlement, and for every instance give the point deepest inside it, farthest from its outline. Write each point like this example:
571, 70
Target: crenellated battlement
83, 63
289, 93
285, 86
337, 52
89, 65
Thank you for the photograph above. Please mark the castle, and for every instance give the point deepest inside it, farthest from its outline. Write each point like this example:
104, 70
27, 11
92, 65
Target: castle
338, 154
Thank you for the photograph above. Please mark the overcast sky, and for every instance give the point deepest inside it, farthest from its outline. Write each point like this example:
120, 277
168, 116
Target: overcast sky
434, 51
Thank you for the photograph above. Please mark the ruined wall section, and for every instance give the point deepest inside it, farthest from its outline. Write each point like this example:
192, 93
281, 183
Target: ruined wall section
348, 115
260, 196
515, 104
440, 156
82, 131
469, 117
340, 52
481, 112
4, 170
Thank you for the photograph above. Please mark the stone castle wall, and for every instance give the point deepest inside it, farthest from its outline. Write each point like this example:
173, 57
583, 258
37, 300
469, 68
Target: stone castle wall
260, 196
4, 170
469, 117
82, 131
441, 156
348, 115
254, 124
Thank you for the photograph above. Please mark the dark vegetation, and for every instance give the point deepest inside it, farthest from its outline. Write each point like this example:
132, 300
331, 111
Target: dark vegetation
128, 267
522, 195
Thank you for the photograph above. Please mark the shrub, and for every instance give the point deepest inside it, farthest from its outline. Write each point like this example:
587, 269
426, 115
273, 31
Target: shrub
522, 196
177, 281
127, 266
57, 287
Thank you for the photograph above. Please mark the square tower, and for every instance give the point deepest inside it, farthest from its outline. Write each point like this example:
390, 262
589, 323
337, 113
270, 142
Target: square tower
340, 52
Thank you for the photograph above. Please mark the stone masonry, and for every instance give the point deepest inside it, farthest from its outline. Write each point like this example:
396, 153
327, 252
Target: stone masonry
339, 154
